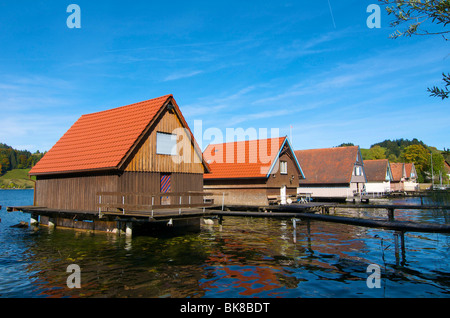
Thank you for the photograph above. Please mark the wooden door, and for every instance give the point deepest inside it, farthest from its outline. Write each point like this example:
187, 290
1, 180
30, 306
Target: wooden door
166, 186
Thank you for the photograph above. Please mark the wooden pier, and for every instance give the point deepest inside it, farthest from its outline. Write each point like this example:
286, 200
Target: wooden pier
122, 217
306, 212
182, 214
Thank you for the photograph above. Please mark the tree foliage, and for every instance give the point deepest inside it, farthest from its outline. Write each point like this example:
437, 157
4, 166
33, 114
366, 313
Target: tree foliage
404, 150
417, 13
16, 159
427, 17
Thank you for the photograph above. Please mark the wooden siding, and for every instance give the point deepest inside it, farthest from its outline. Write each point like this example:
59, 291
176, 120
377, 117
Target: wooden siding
291, 179
78, 193
72, 193
146, 159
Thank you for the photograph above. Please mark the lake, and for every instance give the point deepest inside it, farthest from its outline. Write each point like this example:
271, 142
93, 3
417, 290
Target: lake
243, 258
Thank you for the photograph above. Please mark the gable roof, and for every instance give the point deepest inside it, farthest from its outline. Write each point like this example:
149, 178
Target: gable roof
328, 165
245, 159
398, 171
410, 169
103, 140
376, 170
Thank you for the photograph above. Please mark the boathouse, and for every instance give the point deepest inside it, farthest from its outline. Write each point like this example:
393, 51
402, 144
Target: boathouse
332, 173
398, 177
252, 173
379, 176
122, 156
410, 184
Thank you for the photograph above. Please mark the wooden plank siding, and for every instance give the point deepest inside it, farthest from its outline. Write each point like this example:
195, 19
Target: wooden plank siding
71, 192
78, 193
146, 158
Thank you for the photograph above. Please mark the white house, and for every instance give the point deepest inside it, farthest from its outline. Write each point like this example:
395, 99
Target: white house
379, 176
332, 173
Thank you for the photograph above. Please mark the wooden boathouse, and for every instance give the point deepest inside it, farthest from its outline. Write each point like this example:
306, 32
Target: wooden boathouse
252, 172
138, 161
379, 176
334, 174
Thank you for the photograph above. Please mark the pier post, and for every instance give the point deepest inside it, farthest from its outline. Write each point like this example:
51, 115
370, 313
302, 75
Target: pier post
390, 214
34, 219
129, 229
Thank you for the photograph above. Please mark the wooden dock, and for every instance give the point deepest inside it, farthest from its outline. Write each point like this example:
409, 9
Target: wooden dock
163, 221
299, 212
309, 211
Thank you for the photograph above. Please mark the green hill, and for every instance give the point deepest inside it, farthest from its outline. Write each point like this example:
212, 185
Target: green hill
16, 178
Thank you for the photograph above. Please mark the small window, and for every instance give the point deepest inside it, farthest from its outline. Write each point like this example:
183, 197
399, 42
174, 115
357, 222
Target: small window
166, 144
358, 171
283, 167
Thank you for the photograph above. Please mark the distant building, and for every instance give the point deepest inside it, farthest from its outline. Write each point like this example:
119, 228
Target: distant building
379, 176
398, 177
130, 149
252, 173
332, 173
411, 177
447, 169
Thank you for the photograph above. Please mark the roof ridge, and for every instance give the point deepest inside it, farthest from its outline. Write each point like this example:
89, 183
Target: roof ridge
129, 105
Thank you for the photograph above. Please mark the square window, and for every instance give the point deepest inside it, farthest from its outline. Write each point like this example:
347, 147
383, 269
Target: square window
166, 144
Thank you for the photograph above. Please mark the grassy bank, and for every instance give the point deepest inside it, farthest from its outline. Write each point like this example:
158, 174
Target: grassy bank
17, 178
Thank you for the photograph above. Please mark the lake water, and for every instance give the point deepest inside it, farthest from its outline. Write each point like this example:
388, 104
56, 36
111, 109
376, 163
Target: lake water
245, 257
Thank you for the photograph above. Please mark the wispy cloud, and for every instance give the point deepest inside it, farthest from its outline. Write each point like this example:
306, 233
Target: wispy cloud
180, 75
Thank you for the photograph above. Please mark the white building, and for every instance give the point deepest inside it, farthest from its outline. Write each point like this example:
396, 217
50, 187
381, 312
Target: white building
379, 176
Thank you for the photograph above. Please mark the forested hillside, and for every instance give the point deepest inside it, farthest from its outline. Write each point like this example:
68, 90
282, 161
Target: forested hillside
404, 150
11, 159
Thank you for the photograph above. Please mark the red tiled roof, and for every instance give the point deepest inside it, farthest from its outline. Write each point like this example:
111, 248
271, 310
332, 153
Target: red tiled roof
397, 171
327, 165
100, 140
409, 169
242, 159
376, 170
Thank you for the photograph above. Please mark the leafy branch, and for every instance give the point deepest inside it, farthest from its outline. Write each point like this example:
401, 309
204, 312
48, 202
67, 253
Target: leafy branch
416, 13
439, 92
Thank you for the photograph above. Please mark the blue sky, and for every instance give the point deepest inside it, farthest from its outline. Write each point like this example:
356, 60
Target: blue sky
314, 65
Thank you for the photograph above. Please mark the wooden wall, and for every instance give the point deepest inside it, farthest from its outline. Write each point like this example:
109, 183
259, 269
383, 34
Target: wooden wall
146, 158
78, 193
71, 192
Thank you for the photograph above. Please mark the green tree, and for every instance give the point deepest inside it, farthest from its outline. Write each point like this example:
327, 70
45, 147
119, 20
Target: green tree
420, 156
429, 17
377, 152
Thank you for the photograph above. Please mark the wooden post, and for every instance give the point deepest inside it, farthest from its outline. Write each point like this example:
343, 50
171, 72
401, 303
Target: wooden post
153, 203
129, 229
100, 208
391, 214
223, 200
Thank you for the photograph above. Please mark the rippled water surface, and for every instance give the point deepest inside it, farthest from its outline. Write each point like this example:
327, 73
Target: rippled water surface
245, 257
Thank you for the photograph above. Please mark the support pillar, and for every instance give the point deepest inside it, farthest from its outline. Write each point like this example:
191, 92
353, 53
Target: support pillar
129, 229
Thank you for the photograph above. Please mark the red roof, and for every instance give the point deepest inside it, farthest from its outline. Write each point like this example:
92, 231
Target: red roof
327, 165
242, 159
101, 140
376, 170
398, 171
